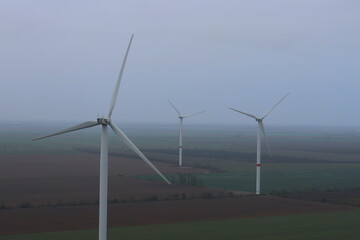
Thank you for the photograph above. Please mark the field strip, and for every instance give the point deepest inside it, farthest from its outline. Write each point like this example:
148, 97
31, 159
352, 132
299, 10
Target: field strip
52, 219
319, 226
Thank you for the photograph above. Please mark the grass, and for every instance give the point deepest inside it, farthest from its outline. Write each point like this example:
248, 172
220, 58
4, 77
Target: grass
321, 226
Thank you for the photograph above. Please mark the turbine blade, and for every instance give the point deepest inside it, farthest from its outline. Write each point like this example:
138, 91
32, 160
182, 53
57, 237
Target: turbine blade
71, 129
193, 114
116, 90
136, 150
247, 114
263, 133
268, 112
174, 108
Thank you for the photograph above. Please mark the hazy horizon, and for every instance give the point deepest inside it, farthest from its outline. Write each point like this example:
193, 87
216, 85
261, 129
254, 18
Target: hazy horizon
240, 126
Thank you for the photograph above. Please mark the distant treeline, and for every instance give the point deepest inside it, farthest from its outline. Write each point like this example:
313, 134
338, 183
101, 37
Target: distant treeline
212, 154
187, 179
228, 155
350, 196
216, 154
206, 194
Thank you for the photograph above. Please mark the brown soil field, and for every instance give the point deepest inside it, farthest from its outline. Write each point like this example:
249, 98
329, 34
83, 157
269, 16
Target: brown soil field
19, 221
52, 179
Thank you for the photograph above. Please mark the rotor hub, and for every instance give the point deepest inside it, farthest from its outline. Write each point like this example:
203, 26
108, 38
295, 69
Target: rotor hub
103, 121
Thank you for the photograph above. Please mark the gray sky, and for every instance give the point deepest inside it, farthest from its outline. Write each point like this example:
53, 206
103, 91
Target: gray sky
60, 59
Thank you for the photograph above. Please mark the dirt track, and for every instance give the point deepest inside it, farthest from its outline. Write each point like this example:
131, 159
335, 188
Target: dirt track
18, 221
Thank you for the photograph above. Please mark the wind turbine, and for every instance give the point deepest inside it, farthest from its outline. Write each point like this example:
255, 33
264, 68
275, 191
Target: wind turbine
261, 131
105, 122
181, 117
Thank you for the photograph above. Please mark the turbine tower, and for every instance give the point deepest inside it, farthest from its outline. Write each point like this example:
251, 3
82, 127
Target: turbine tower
181, 117
260, 131
105, 122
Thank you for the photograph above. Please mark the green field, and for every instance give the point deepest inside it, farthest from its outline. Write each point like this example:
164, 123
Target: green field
280, 177
336, 225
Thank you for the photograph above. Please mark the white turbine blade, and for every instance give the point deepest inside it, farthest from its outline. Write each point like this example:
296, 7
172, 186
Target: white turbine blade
174, 108
116, 90
268, 112
263, 133
74, 128
136, 150
247, 114
193, 114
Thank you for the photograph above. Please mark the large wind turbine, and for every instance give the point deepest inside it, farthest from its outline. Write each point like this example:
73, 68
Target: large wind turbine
261, 131
181, 117
105, 122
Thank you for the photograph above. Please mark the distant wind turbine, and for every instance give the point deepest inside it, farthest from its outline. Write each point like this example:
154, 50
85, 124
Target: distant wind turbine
181, 117
105, 122
261, 131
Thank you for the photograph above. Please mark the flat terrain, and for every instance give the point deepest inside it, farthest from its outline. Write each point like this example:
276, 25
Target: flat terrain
345, 197
17, 221
320, 226
66, 179
53, 185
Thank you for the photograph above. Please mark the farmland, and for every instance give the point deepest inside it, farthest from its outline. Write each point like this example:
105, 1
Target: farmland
54, 177
333, 177
145, 213
334, 225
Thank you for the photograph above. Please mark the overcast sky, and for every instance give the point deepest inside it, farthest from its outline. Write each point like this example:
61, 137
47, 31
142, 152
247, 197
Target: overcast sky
59, 60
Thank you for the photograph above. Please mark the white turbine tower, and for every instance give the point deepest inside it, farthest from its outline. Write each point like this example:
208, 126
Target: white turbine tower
181, 117
261, 131
105, 122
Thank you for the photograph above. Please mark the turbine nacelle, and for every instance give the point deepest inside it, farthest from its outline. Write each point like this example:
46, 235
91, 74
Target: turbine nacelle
104, 121
179, 114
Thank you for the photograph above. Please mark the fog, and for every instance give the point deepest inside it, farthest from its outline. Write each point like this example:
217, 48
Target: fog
60, 60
